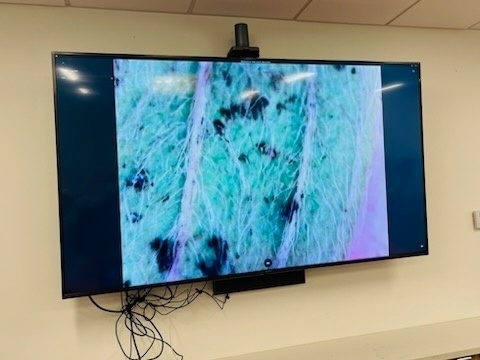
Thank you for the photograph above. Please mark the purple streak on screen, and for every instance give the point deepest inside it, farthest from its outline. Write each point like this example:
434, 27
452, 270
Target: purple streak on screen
370, 236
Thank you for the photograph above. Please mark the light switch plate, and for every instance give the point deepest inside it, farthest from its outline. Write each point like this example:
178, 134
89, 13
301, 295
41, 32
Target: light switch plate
476, 220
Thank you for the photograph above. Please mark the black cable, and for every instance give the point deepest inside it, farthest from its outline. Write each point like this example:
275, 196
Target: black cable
104, 309
138, 309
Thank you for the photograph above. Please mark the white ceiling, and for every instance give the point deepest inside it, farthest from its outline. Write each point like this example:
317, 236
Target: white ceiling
450, 14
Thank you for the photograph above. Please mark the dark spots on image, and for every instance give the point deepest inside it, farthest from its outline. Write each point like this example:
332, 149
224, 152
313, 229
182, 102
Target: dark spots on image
253, 108
219, 127
257, 104
233, 111
268, 199
225, 113
139, 181
243, 158
289, 209
219, 261
353, 71
227, 77
237, 109
339, 67
280, 107
291, 99
271, 153
116, 81
127, 283
267, 150
275, 80
165, 198
164, 250
135, 217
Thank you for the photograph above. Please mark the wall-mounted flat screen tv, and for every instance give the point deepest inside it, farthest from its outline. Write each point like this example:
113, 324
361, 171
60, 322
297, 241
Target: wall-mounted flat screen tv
181, 169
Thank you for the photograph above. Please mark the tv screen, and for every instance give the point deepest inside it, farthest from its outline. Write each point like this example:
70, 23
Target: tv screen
180, 169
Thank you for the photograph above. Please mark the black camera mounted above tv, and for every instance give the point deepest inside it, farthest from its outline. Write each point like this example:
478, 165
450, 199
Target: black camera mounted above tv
242, 48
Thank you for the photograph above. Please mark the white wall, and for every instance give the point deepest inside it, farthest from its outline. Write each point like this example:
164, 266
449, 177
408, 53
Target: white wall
336, 302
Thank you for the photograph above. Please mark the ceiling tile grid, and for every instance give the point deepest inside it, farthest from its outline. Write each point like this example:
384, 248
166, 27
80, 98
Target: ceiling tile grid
373, 12
449, 14
35, 2
456, 14
167, 6
270, 9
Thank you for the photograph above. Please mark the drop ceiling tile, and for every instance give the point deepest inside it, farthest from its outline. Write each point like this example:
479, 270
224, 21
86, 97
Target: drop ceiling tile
170, 6
456, 14
271, 9
35, 2
375, 12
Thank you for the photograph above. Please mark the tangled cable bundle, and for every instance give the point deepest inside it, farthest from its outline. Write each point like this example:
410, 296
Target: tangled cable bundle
139, 308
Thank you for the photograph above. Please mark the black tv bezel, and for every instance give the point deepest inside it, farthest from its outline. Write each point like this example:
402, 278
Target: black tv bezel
242, 276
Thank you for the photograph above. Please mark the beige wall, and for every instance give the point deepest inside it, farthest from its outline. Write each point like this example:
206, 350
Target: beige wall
336, 302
